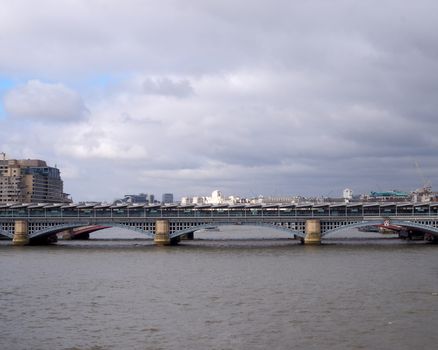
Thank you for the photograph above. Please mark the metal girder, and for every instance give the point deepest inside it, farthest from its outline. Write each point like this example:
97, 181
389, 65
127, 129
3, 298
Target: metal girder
58, 228
355, 225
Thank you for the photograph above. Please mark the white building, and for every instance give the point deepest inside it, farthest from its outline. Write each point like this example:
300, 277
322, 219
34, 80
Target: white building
216, 198
347, 194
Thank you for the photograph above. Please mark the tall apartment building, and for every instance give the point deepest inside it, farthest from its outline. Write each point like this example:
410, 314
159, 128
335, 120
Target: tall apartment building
30, 181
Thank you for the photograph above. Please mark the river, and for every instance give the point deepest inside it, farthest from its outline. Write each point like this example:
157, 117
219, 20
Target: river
244, 289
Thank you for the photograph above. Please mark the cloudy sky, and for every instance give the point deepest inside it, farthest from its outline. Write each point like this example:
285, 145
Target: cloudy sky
250, 97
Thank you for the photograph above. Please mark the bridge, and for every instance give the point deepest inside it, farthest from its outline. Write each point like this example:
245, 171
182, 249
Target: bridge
25, 223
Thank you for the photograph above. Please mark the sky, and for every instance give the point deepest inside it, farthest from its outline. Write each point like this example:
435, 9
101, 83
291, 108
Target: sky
249, 97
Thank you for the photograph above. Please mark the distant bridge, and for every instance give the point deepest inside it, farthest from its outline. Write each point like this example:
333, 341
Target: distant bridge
166, 224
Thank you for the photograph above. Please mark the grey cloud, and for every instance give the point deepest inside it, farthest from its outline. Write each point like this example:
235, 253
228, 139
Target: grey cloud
126, 118
285, 96
168, 87
200, 37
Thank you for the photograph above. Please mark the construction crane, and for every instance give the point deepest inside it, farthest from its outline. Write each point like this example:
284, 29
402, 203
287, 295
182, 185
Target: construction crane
425, 182
424, 193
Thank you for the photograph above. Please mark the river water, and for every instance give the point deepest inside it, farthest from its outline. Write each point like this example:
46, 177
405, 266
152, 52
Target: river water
241, 289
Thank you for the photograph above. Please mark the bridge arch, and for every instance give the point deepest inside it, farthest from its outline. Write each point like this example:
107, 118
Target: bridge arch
52, 230
415, 225
6, 234
350, 226
147, 233
273, 226
408, 224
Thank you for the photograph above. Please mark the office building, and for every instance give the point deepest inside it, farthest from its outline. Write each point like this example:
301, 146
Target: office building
30, 181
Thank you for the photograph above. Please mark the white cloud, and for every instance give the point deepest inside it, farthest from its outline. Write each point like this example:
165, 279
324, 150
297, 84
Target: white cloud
45, 102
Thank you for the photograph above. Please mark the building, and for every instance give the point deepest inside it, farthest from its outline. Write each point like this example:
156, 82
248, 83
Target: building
216, 198
193, 200
275, 199
393, 196
167, 198
142, 198
30, 181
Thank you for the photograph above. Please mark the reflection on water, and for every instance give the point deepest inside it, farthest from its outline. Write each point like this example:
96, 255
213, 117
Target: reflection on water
253, 290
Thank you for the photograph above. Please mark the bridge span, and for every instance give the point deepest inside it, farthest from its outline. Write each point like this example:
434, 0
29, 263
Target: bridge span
166, 224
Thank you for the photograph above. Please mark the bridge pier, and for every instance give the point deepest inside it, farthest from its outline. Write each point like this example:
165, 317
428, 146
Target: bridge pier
188, 236
162, 233
21, 233
313, 232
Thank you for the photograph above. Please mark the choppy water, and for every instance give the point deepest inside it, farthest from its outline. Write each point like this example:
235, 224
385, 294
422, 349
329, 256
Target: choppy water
220, 294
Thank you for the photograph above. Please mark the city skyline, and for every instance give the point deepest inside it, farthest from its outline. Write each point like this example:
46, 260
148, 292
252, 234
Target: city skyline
15, 187
272, 98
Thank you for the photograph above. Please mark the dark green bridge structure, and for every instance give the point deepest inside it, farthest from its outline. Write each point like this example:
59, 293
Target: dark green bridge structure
166, 224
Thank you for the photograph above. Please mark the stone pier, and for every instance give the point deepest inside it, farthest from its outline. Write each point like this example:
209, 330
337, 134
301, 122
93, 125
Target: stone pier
21, 233
162, 233
313, 232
